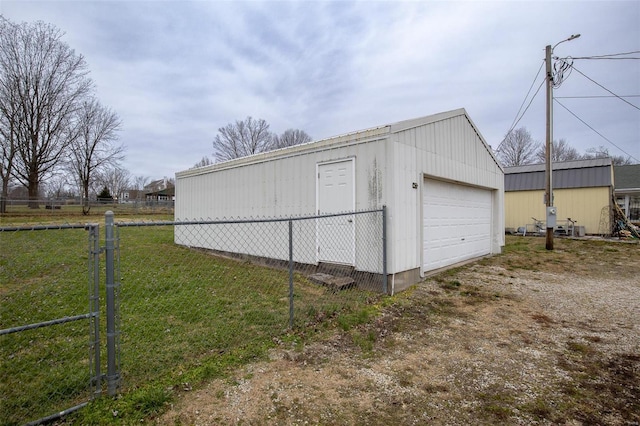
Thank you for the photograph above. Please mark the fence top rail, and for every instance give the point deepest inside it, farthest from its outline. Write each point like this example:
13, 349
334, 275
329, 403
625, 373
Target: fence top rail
47, 227
237, 221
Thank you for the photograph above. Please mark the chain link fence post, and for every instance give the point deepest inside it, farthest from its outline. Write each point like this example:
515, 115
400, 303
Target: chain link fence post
94, 307
290, 274
384, 251
112, 371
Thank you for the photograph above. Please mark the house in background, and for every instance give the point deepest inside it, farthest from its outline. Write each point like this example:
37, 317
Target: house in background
157, 190
163, 195
439, 180
627, 191
131, 196
582, 191
161, 190
159, 185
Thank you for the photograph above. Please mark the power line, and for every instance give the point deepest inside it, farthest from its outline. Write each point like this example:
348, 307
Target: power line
516, 120
598, 133
562, 68
527, 108
610, 56
595, 82
608, 59
597, 96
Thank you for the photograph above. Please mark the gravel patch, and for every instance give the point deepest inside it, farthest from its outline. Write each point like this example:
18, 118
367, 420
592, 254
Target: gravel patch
507, 340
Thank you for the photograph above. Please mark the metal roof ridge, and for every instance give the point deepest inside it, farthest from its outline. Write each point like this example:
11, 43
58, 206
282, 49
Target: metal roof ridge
391, 128
561, 165
426, 119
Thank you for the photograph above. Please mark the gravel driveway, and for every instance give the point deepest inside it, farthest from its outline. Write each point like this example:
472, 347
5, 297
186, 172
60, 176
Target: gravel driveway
527, 337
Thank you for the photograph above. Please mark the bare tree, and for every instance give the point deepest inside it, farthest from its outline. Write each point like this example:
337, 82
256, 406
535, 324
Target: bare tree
94, 148
205, 161
57, 186
560, 151
8, 113
290, 137
242, 138
603, 152
139, 182
7, 153
49, 81
7, 144
517, 149
115, 179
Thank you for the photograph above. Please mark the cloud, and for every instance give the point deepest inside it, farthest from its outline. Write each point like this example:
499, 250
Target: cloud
177, 71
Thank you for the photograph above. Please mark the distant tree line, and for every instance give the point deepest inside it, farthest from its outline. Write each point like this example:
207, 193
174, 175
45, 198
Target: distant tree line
248, 137
519, 149
56, 138
53, 129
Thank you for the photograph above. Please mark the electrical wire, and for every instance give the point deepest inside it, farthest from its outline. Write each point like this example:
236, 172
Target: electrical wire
610, 56
597, 96
609, 59
522, 116
562, 69
598, 133
516, 120
600, 85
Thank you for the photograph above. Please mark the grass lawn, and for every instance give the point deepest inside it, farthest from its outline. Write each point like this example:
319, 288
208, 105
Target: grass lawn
21, 214
184, 315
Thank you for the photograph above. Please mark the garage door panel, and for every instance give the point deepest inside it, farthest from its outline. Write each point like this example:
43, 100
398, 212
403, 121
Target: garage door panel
456, 223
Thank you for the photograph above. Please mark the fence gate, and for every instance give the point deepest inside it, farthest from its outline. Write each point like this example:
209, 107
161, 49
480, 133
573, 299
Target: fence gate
49, 321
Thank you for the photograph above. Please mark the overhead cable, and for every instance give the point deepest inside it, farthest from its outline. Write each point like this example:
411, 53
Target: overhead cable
608, 59
597, 96
519, 117
598, 133
600, 85
562, 69
614, 56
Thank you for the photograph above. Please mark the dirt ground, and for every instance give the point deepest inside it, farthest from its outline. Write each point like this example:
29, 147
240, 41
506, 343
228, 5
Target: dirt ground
527, 337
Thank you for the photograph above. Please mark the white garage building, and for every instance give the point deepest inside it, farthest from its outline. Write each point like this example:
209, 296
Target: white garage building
441, 184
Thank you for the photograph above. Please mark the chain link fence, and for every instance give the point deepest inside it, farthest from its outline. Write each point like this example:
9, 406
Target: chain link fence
192, 292
66, 207
49, 326
164, 304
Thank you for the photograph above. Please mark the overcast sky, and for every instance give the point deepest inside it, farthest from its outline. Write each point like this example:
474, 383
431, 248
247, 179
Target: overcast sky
176, 71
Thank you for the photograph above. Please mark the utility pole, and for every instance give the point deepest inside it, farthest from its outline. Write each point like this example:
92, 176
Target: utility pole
548, 152
551, 212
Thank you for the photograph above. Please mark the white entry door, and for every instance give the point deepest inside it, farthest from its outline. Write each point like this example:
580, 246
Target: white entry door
336, 194
456, 223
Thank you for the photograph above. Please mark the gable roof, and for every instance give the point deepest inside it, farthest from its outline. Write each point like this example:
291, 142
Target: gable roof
370, 134
627, 177
568, 174
170, 191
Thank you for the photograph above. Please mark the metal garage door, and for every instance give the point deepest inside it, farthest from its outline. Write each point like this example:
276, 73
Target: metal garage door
456, 223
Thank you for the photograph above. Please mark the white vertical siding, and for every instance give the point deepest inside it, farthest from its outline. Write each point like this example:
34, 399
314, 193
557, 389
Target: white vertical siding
403, 228
448, 149
279, 187
389, 160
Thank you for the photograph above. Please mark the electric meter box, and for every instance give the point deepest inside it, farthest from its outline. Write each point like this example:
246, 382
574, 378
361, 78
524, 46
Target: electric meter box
552, 214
